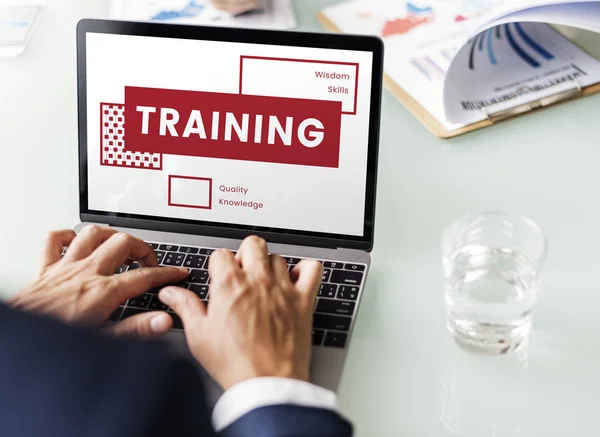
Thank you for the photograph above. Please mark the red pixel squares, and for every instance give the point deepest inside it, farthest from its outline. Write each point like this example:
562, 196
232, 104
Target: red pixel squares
112, 147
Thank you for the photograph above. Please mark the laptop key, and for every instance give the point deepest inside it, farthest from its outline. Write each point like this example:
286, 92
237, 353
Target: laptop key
207, 251
173, 259
188, 249
291, 261
317, 337
177, 323
169, 247
198, 277
335, 307
326, 321
140, 301
134, 265
132, 312
346, 277
355, 267
121, 269
347, 292
200, 290
160, 256
336, 339
114, 317
333, 265
327, 290
157, 305
194, 261
153, 245
154, 290
326, 275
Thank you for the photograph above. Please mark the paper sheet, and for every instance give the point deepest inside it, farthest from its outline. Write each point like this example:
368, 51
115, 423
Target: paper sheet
272, 14
422, 38
518, 63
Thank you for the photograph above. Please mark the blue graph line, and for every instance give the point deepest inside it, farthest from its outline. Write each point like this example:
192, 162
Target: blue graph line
414, 9
518, 50
481, 42
490, 49
472, 54
535, 46
498, 32
190, 10
421, 69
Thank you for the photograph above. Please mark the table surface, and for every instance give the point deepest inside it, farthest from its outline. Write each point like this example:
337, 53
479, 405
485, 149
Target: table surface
403, 376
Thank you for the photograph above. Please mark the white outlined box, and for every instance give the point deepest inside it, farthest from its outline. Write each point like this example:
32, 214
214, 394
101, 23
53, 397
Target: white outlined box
190, 192
301, 79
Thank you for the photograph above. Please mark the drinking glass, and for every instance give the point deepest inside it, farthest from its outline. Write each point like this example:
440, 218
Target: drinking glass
492, 263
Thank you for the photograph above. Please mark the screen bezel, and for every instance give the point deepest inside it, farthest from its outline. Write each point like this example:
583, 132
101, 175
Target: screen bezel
271, 37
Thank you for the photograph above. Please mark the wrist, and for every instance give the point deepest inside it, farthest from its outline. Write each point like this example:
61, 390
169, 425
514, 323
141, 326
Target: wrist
255, 393
288, 372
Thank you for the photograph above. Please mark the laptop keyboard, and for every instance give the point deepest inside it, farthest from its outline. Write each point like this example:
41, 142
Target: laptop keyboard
334, 308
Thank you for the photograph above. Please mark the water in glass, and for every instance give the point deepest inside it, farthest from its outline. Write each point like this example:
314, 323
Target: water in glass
490, 293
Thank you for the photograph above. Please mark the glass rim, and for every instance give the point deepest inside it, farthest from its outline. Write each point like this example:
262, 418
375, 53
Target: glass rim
524, 219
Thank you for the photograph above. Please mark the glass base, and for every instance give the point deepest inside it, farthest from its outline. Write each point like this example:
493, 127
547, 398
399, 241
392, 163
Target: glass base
489, 339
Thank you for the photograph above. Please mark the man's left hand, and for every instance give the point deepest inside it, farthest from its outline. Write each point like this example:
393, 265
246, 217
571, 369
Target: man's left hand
81, 287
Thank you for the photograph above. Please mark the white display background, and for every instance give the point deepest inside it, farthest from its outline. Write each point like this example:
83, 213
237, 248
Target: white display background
329, 200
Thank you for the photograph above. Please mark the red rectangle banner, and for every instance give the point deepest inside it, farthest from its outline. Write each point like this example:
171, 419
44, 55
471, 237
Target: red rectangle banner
233, 126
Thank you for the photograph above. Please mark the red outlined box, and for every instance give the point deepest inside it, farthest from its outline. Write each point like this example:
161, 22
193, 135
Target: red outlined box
309, 61
190, 192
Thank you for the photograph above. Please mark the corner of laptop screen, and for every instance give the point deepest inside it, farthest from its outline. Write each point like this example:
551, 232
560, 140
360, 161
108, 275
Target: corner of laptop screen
232, 133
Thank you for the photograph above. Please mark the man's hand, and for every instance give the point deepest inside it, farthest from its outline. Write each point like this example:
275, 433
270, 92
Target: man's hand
259, 319
235, 6
82, 288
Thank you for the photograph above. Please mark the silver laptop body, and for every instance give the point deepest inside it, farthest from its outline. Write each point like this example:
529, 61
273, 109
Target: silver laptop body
346, 258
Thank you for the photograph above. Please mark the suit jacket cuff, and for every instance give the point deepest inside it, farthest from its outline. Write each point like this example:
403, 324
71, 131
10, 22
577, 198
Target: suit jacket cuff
255, 393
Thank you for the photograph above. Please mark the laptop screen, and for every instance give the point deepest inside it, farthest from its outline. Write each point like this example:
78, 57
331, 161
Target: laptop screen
227, 133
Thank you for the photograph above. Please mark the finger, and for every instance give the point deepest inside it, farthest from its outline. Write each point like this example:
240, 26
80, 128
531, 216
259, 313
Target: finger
88, 240
280, 269
309, 274
146, 325
223, 269
254, 257
134, 283
121, 247
186, 304
54, 244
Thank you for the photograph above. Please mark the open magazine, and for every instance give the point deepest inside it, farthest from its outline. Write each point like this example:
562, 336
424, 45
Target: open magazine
464, 60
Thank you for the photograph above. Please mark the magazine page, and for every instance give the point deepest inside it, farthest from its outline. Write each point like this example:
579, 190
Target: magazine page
582, 14
518, 62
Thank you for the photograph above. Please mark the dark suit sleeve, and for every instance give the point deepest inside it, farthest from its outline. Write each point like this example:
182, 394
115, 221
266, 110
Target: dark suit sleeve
289, 421
62, 381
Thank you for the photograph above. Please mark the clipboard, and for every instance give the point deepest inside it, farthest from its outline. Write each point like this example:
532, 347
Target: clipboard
492, 116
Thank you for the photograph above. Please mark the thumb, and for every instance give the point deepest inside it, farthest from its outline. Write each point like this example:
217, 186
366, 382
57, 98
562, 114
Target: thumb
146, 325
186, 304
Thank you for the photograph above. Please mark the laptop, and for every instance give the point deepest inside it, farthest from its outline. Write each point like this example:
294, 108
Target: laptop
192, 138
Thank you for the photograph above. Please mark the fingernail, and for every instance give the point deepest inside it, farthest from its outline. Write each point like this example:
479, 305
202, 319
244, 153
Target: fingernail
159, 324
166, 295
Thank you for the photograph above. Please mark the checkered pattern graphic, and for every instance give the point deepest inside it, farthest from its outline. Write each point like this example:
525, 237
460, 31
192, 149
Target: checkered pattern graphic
113, 142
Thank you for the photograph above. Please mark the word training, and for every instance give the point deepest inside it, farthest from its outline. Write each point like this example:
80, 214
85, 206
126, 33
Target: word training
308, 132
233, 126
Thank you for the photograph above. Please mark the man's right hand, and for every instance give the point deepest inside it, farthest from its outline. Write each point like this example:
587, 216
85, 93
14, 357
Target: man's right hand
259, 320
